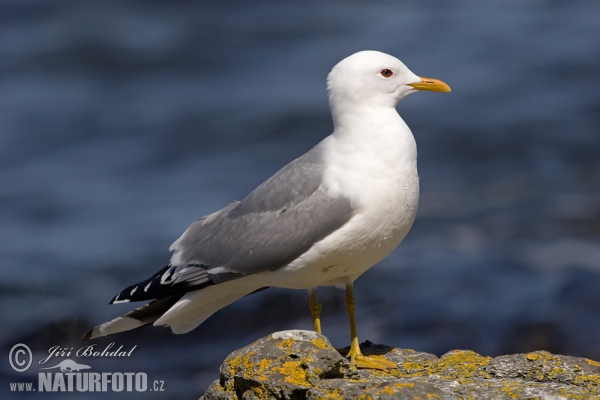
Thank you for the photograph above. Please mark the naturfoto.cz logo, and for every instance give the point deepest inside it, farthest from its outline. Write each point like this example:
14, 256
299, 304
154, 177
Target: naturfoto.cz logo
70, 376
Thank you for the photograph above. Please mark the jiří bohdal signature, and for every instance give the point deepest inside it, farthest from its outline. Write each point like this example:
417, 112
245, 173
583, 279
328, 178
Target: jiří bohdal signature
87, 351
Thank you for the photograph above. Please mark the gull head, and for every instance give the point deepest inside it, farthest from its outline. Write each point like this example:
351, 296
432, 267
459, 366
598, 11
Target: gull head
372, 78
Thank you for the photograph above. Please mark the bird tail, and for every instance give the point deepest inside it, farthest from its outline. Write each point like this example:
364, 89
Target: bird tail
141, 316
181, 312
195, 307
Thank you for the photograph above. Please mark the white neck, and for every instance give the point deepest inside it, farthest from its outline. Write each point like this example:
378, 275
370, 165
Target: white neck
373, 128
369, 146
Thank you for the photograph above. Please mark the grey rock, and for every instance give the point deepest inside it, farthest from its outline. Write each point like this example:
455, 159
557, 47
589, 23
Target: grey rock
303, 365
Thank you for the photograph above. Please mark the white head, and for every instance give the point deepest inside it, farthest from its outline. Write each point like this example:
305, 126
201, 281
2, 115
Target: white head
375, 79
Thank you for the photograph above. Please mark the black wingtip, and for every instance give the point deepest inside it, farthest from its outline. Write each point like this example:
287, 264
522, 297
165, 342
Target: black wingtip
116, 298
87, 335
172, 280
131, 293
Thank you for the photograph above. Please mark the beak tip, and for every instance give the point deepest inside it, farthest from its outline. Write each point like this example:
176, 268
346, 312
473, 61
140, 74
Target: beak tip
434, 85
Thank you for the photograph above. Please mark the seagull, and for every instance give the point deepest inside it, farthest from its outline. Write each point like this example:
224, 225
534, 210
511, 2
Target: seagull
322, 220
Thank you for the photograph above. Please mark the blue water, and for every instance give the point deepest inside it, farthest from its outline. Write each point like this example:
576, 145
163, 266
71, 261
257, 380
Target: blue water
122, 122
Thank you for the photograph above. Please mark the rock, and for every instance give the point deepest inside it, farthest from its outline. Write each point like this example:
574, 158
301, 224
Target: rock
303, 365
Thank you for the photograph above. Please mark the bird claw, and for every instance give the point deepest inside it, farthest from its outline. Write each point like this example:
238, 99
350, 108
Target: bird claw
361, 361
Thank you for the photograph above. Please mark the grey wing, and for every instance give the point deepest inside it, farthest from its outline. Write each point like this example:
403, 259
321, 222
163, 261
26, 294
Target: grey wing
276, 223
272, 226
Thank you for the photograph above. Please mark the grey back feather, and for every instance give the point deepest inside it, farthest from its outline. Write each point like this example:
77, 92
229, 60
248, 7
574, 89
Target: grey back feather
276, 223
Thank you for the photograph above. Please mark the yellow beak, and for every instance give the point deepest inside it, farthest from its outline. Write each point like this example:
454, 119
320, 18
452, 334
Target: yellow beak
435, 85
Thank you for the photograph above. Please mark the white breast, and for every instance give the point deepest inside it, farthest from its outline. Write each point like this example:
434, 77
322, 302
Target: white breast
376, 169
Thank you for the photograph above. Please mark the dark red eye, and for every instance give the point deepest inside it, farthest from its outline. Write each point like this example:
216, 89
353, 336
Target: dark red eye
386, 73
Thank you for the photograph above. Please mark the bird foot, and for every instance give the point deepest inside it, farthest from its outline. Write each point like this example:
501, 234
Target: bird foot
365, 362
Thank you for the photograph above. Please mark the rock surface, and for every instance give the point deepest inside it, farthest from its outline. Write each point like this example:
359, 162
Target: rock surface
303, 365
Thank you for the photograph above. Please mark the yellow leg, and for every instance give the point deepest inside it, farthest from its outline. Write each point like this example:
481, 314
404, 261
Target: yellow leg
356, 356
315, 310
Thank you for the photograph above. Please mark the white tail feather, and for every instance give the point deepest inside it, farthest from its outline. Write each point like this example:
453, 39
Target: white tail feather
119, 324
195, 307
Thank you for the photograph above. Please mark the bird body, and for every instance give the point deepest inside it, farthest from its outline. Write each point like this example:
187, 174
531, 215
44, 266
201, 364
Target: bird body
384, 207
322, 220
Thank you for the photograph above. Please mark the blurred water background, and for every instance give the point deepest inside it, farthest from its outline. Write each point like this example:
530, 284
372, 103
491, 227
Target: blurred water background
123, 122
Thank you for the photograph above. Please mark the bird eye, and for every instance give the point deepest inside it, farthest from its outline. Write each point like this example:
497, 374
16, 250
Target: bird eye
386, 73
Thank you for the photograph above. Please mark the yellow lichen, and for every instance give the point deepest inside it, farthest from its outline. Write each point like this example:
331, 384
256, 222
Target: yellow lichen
553, 368
235, 363
464, 364
335, 394
248, 365
533, 356
585, 380
389, 389
260, 392
513, 390
460, 365
294, 373
414, 368
263, 365
320, 343
592, 362
579, 396
287, 343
